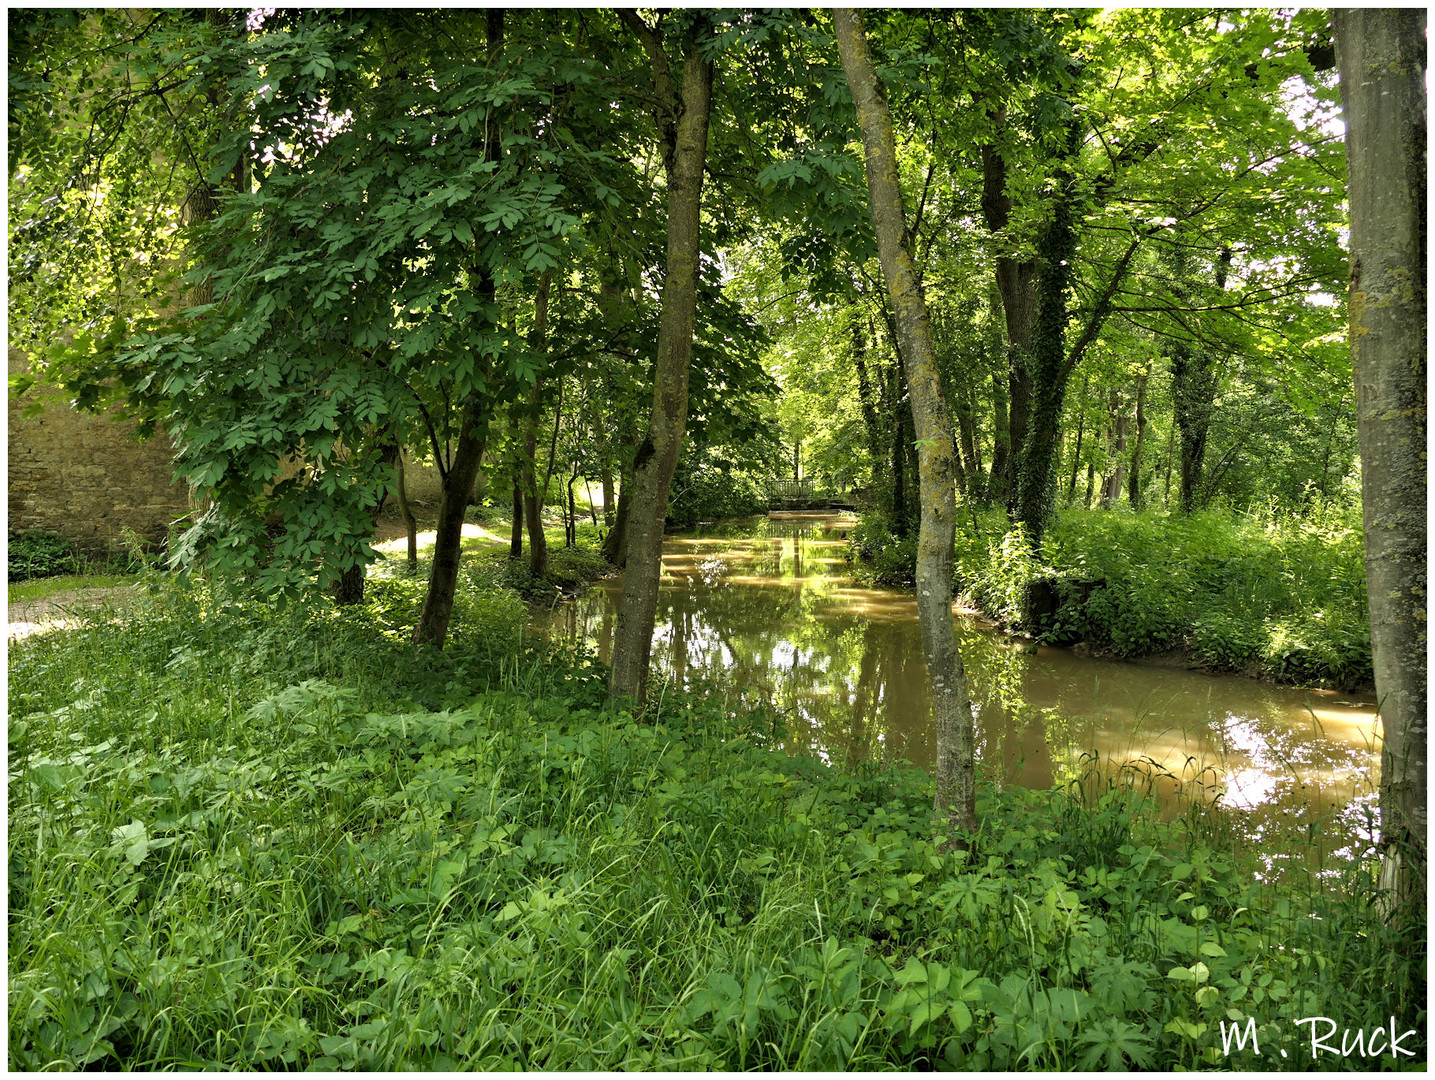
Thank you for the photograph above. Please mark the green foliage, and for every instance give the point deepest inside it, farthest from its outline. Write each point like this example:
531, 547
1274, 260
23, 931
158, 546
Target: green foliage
338, 851
881, 558
38, 554
711, 492
1281, 597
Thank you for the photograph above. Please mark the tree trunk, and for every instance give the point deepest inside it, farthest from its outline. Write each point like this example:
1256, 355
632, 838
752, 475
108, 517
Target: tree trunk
955, 801
515, 534
462, 471
615, 546
432, 628
610, 512
1120, 423
684, 151
1080, 427
1133, 492
866, 398
1381, 56
533, 497
998, 480
411, 527
570, 524
1016, 283
1057, 249
1193, 387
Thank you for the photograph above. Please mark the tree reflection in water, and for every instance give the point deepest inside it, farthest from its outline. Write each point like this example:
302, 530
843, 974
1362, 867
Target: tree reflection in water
766, 608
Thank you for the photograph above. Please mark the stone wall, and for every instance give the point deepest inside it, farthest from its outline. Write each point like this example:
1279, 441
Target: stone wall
86, 477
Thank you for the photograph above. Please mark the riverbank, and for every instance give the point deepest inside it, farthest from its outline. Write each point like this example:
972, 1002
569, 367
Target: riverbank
1283, 601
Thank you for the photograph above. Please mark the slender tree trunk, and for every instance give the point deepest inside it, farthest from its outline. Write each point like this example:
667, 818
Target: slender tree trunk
1193, 386
615, 546
515, 534
684, 150
1134, 492
866, 398
1111, 490
970, 470
570, 527
610, 512
462, 471
1080, 425
1170, 456
533, 496
955, 801
1381, 56
348, 590
998, 478
411, 527
1090, 483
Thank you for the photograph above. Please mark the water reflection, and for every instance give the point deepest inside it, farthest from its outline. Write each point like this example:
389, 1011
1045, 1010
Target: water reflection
765, 608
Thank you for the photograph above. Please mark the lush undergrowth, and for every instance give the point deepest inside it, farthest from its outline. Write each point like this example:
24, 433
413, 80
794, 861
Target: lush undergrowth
1283, 599
35, 554
245, 838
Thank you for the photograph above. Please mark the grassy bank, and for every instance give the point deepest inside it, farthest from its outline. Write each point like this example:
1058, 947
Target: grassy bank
242, 838
1283, 600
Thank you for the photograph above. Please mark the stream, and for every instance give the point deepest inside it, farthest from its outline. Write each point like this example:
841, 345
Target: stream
767, 608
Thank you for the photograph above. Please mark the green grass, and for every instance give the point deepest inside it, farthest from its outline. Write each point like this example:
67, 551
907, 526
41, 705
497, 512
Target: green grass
41, 588
243, 838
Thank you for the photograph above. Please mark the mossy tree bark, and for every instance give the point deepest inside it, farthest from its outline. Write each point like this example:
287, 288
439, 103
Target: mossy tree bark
682, 117
955, 801
1381, 56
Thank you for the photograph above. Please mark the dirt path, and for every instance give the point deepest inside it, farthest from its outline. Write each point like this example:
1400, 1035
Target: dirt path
28, 617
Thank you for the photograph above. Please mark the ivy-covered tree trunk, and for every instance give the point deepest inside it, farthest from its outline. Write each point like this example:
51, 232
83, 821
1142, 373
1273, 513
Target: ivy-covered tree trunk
1381, 56
683, 120
1016, 286
1047, 360
1193, 383
955, 801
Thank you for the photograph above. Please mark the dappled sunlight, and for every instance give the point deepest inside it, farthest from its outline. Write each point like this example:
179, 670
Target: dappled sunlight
475, 538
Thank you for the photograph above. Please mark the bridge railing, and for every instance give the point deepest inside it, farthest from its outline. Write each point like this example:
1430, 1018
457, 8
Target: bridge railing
791, 488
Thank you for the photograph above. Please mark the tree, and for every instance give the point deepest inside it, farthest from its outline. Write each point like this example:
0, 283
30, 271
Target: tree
1381, 55
955, 798
681, 112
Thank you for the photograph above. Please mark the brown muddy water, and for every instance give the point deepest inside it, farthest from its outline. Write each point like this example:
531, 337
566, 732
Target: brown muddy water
766, 609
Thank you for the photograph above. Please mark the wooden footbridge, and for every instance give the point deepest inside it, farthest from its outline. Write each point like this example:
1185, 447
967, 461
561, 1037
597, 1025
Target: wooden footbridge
808, 493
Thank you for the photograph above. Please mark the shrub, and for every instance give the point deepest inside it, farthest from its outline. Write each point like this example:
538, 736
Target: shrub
1285, 597
713, 493
38, 554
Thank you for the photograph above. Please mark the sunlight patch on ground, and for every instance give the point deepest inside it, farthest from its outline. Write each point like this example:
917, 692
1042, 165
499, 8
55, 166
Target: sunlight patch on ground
474, 537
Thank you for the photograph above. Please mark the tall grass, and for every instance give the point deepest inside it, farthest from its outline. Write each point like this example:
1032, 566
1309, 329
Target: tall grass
248, 839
